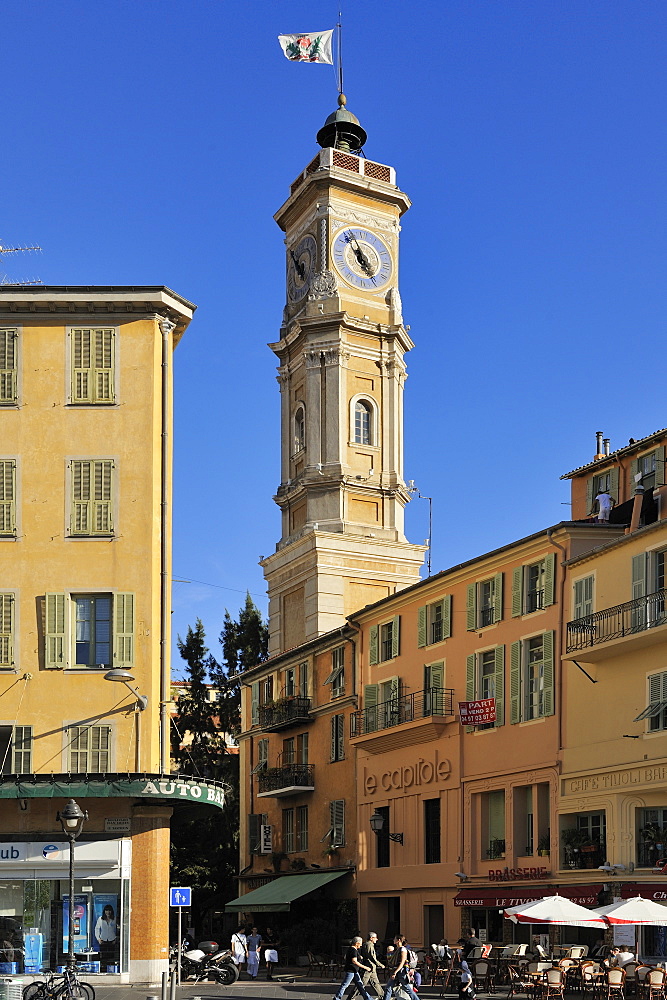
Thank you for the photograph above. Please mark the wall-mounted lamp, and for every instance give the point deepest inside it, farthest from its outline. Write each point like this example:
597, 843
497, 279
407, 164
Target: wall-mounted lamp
377, 826
606, 867
124, 677
462, 876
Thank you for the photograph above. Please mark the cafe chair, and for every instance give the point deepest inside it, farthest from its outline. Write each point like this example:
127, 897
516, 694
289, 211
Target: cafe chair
577, 951
641, 972
654, 985
591, 977
519, 983
630, 970
554, 983
614, 985
483, 976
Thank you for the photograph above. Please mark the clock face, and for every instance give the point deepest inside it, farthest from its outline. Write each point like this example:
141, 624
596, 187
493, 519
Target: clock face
300, 267
362, 258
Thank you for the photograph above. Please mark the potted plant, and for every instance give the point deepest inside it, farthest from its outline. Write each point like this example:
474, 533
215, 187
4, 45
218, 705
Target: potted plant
331, 854
544, 846
496, 848
572, 839
277, 859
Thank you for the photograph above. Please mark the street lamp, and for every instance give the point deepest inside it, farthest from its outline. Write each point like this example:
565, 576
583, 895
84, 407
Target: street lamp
124, 677
71, 820
377, 826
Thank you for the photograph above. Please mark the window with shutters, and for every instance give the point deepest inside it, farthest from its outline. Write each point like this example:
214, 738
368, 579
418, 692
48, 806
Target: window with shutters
337, 822
532, 678
7, 630
290, 682
601, 482
533, 586
302, 828
266, 691
89, 631
255, 823
485, 678
337, 676
254, 703
655, 712
434, 683
15, 749
302, 748
262, 756
384, 641
650, 467
8, 365
583, 597
288, 831
337, 737
93, 365
434, 622
92, 483
304, 680
7, 497
484, 603
89, 750
288, 754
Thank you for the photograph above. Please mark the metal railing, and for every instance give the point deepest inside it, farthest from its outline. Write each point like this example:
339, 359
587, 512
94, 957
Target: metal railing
534, 601
613, 623
419, 705
287, 711
288, 776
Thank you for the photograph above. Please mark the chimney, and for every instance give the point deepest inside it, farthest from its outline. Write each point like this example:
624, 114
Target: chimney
606, 447
598, 446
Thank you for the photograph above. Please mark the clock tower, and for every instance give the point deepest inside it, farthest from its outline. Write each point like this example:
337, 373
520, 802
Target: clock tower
341, 375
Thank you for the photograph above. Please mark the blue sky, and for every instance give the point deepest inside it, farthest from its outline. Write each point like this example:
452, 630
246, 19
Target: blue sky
151, 141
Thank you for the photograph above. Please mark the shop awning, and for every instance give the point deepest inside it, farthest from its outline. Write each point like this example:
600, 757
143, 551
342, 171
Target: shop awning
656, 891
175, 787
504, 896
276, 896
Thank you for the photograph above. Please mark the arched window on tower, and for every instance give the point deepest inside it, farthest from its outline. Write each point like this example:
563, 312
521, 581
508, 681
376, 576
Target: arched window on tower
363, 422
299, 429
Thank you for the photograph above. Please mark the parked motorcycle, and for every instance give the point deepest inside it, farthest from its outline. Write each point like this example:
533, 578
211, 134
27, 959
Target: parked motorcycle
207, 962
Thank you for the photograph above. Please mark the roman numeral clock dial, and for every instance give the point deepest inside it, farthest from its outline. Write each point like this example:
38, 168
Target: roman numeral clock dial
300, 267
362, 258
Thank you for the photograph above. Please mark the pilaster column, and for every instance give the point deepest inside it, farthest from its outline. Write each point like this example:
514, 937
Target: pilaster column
149, 921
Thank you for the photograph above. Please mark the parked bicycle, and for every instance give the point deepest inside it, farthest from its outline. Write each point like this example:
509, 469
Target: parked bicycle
54, 987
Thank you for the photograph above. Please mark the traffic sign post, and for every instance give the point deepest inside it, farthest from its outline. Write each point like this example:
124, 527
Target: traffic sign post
180, 896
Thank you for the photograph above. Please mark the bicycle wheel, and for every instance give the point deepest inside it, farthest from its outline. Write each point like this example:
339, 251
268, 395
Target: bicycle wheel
75, 991
34, 990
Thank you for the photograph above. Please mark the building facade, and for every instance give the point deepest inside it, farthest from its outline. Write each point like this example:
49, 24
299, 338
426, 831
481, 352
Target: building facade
85, 539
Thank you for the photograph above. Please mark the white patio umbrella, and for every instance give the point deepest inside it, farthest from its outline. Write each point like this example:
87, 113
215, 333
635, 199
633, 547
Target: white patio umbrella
554, 910
635, 910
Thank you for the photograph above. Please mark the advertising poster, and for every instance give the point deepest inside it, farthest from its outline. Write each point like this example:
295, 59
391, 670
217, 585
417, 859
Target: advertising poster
105, 928
79, 923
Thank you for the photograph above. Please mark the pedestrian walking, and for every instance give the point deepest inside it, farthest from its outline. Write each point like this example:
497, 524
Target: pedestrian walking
253, 941
399, 974
368, 956
353, 969
271, 943
239, 947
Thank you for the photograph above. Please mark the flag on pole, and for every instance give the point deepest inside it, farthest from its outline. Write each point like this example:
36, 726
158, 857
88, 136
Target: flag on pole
313, 46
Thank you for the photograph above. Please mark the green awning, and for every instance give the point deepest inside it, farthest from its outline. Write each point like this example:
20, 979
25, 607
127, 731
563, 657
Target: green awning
150, 787
276, 896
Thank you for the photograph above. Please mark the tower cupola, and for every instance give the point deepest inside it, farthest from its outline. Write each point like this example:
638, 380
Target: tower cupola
342, 130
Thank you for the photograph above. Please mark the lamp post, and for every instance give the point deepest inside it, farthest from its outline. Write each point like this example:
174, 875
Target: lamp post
377, 826
71, 820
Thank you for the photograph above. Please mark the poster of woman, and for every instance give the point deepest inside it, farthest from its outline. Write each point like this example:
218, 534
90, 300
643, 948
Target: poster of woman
105, 928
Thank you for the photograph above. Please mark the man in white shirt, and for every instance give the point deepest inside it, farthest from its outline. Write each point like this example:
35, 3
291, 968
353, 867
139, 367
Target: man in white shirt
605, 503
620, 957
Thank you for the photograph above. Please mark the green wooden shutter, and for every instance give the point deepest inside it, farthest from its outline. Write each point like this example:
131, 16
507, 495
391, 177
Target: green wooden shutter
447, 616
589, 495
639, 575
100, 749
421, 627
655, 688
394, 689
336, 737
80, 520
515, 683
517, 591
102, 497
434, 688
254, 833
303, 679
583, 598
373, 644
660, 465
8, 381
470, 677
337, 822
396, 636
471, 607
634, 470
498, 597
7, 496
436, 675
56, 645
548, 645
123, 627
254, 703
500, 685
370, 707
103, 374
6, 630
613, 484
549, 579
81, 374
22, 750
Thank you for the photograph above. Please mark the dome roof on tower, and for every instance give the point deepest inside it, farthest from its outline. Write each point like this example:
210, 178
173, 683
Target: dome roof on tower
342, 129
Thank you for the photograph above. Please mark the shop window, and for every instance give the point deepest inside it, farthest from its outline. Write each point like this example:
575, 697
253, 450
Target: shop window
432, 831
89, 750
15, 749
651, 836
484, 603
434, 622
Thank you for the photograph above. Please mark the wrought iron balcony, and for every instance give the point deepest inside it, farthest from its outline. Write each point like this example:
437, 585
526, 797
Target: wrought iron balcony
286, 712
289, 779
418, 705
627, 619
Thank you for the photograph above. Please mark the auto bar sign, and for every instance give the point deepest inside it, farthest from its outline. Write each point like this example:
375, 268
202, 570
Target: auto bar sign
477, 713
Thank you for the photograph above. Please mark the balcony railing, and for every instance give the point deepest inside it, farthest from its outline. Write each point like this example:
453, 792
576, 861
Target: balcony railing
419, 705
275, 779
614, 623
286, 712
534, 601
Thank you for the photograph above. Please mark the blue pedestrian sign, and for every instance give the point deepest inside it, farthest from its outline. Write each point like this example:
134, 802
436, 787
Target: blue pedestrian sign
180, 896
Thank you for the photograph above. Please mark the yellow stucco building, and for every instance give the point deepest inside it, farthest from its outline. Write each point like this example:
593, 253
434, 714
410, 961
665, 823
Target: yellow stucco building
85, 572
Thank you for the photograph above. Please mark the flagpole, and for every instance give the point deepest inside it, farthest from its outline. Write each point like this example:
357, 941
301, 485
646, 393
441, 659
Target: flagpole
340, 50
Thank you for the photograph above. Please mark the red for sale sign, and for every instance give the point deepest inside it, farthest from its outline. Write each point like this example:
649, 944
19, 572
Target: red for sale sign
477, 713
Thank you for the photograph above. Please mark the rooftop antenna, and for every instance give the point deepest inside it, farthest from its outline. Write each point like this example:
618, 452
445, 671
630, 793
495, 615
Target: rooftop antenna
5, 279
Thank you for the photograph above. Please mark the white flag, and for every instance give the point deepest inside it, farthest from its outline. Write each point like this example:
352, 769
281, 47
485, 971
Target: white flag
310, 46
